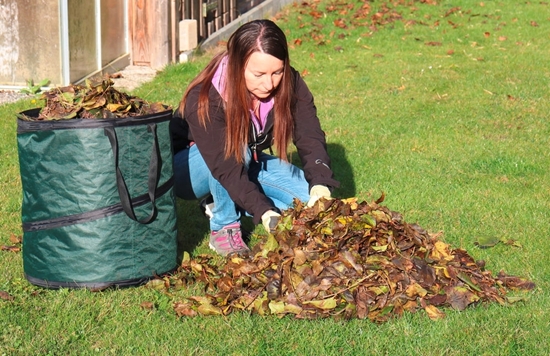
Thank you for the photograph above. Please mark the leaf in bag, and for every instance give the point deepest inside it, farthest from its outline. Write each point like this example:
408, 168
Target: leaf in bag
96, 100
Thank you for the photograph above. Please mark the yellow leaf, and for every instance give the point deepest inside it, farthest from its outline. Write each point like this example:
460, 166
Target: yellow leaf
380, 248
379, 289
276, 307
113, 107
292, 308
434, 313
325, 304
441, 252
415, 289
270, 245
209, 309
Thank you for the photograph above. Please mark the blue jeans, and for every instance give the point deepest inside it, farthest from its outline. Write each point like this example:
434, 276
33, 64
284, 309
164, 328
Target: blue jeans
280, 181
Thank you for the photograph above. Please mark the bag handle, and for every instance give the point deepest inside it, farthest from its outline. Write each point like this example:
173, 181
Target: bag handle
154, 177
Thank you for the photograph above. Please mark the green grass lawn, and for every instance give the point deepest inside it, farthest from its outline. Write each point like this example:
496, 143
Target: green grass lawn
441, 105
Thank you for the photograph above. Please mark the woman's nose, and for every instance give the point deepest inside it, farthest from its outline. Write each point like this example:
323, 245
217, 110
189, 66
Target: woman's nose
268, 83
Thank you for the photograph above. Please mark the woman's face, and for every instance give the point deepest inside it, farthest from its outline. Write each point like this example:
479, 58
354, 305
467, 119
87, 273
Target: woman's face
262, 74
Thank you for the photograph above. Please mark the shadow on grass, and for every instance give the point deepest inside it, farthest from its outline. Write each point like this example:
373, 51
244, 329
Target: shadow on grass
342, 171
192, 226
341, 168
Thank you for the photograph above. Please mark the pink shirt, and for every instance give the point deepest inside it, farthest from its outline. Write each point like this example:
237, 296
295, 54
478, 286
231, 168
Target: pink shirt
219, 82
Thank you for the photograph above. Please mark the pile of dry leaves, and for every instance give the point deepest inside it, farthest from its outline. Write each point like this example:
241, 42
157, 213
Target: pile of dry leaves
342, 259
98, 99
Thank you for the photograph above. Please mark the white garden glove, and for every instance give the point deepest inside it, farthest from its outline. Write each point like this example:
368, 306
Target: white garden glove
270, 219
316, 192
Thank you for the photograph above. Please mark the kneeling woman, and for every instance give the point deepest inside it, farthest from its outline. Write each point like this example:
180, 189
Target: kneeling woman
247, 99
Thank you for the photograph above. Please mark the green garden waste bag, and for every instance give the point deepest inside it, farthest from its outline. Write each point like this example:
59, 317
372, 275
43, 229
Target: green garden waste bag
98, 206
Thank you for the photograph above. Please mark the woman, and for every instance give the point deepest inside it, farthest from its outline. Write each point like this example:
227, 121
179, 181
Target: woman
246, 100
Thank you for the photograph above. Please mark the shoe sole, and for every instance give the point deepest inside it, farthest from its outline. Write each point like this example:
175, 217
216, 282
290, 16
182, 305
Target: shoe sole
237, 252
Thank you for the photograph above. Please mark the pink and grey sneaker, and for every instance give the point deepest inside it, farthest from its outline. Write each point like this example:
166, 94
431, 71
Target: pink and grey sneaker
228, 240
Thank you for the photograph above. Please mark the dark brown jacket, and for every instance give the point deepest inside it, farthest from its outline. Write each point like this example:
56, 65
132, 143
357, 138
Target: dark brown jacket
308, 138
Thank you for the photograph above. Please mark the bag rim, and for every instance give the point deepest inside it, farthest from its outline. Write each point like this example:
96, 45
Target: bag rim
24, 126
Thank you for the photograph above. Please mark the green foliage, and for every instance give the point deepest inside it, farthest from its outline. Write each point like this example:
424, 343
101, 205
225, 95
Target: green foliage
33, 88
444, 109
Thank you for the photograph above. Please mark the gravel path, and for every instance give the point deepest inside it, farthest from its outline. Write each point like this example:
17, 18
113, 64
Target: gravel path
10, 96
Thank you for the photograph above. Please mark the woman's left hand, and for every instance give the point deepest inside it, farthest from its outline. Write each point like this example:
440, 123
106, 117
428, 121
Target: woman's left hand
317, 192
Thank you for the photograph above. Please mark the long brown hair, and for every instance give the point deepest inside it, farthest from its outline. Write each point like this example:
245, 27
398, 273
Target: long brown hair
255, 36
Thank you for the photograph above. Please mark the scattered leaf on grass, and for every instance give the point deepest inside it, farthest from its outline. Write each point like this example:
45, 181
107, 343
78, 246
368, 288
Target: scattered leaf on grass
434, 313
147, 305
510, 242
487, 241
10, 248
5, 296
14, 239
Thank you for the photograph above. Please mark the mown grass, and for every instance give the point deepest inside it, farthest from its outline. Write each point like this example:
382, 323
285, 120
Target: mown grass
445, 111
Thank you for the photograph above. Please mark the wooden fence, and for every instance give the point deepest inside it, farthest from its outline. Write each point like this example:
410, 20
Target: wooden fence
212, 15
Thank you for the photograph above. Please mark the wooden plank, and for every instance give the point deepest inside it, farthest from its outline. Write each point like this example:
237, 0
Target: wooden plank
141, 53
233, 11
150, 27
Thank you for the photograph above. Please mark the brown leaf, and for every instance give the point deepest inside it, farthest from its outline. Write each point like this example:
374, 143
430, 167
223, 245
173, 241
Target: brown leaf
341, 23
184, 309
460, 297
147, 305
6, 296
316, 14
514, 282
14, 239
11, 248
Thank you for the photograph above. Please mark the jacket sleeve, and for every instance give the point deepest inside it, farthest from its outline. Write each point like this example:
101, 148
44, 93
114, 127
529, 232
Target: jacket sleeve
309, 138
210, 141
